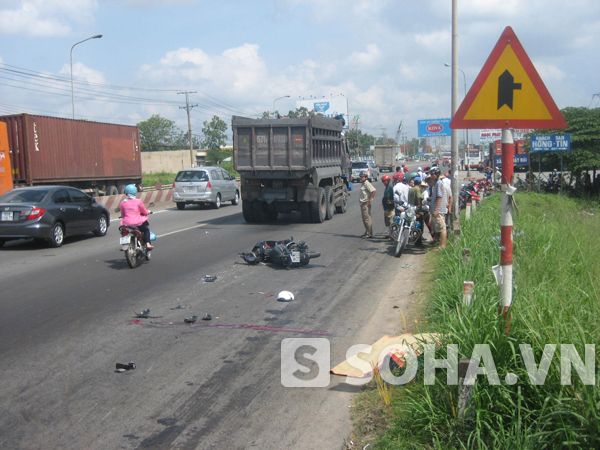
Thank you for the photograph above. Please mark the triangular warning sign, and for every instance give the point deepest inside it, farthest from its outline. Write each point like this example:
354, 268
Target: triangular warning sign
508, 93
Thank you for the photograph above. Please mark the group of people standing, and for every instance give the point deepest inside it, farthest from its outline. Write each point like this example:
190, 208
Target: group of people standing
426, 186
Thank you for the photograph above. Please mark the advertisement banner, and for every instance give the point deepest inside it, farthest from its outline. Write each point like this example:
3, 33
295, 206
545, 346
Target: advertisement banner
434, 127
489, 136
328, 107
519, 160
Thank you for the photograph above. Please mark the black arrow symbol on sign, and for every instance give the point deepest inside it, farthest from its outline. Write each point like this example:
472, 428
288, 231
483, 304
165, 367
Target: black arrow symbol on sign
506, 86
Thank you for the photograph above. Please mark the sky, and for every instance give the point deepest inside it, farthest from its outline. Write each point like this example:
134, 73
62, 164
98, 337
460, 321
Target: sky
237, 56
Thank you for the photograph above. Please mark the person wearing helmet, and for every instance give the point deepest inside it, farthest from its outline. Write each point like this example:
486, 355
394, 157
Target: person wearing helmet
398, 177
401, 189
134, 213
388, 203
367, 192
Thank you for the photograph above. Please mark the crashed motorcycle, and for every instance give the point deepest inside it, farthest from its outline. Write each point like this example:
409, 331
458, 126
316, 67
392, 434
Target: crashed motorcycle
287, 253
132, 243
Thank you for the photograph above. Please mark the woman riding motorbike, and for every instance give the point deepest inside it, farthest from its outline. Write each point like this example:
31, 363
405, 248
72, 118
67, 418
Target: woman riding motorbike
134, 213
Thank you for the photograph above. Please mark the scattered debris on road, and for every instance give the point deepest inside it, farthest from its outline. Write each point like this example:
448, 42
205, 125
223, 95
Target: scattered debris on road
181, 307
123, 367
145, 314
210, 278
190, 319
285, 296
207, 317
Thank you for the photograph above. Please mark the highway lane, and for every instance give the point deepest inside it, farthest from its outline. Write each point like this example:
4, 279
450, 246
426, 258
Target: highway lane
67, 319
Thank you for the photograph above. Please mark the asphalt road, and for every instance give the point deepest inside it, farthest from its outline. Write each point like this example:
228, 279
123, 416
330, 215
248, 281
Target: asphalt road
67, 316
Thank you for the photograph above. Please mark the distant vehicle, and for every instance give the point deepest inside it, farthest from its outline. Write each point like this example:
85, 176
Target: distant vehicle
446, 158
100, 158
385, 157
50, 213
365, 166
205, 185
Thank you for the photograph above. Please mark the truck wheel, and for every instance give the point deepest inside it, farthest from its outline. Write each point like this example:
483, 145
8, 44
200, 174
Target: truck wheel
330, 207
247, 211
272, 216
305, 212
258, 209
121, 188
343, 202
318, 209
112, 190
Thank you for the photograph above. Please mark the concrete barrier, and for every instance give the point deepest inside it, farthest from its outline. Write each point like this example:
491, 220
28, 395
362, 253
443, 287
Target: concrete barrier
112, 201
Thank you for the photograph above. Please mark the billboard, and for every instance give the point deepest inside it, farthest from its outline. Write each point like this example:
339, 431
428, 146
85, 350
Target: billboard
328, 107
434, 127
550, 143
489, 136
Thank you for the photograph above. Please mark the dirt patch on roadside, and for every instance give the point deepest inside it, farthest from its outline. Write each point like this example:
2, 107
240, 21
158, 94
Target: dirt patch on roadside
400, 311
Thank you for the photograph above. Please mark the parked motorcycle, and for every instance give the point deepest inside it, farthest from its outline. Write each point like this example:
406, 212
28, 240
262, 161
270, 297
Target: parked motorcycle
287, 253
402, 226
132, 243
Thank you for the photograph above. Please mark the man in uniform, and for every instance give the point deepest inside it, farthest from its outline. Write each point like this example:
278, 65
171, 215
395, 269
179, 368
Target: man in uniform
367, 192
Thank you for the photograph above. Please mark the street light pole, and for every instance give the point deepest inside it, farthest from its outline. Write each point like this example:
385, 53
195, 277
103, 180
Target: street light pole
466, 131
98, 36
285, 96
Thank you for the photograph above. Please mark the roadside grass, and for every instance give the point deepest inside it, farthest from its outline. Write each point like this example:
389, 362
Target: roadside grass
150, 179
556, 300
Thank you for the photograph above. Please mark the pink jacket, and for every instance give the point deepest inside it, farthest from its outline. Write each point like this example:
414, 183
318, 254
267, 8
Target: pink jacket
131, 211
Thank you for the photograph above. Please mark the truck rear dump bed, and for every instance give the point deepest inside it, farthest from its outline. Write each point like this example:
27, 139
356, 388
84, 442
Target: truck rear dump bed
287, 144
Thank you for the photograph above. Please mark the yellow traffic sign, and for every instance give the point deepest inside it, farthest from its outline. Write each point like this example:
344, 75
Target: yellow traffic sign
508, 93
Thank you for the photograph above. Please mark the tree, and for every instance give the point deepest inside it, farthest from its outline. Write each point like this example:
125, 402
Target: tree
214, 133
157, 133
583, 124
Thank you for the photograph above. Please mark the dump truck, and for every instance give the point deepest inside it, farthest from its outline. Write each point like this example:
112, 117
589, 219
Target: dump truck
385, 157
290, 165
99, 158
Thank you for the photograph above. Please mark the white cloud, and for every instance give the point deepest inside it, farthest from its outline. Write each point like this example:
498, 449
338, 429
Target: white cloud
371, 56
45, 18
549, 71
82, 72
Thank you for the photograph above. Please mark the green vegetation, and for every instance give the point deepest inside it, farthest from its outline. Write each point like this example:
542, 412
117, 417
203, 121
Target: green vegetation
556, 301
150, 179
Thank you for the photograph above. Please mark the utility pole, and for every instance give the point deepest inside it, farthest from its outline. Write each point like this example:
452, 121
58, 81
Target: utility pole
187, 108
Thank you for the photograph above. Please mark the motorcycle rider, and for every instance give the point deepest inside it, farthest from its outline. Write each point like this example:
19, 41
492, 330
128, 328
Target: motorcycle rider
415, 198
134, 213
400, 188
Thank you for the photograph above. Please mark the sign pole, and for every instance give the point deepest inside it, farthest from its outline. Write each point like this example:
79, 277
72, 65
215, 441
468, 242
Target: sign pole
540, 173
562, 174
506, 225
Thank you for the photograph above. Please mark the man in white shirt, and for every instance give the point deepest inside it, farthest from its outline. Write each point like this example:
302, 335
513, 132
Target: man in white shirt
401, 188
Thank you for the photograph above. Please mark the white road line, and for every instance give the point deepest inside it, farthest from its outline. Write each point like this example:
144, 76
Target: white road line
179, 231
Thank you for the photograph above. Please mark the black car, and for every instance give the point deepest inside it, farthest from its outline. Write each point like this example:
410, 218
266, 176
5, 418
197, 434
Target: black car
50, 213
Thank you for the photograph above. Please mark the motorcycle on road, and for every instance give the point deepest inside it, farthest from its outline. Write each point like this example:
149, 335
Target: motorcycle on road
132, 243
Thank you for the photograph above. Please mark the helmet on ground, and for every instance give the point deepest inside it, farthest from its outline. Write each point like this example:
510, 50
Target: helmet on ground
386, 178
398, 177
131, 189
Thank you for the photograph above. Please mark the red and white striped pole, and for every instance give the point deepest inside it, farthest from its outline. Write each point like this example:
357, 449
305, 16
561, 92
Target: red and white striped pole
506, 225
